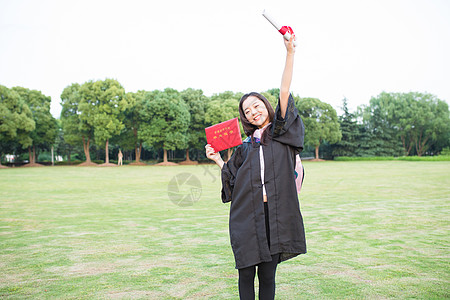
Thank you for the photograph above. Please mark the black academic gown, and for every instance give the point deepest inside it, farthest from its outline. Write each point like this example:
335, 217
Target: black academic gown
241, 184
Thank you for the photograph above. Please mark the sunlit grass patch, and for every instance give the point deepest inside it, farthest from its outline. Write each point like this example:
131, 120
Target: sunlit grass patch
374, 230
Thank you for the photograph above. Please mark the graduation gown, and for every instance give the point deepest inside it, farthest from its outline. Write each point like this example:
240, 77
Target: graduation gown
241, 185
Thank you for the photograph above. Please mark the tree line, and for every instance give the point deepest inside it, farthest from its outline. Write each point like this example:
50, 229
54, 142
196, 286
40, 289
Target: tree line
98, 113
395, 124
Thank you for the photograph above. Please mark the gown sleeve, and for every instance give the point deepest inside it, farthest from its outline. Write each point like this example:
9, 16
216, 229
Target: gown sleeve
290, 129
229, 172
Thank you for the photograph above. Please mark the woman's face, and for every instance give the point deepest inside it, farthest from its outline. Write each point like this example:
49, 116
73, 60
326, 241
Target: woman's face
255, 111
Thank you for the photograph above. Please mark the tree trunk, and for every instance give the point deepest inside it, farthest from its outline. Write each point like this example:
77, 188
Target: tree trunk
165, 156
418, 149
68, 156
138, 150
421, 145
86, 149
187, 155
409, 149
422, 148
30, 157
32, 154
317, 152
406, 147
107, 152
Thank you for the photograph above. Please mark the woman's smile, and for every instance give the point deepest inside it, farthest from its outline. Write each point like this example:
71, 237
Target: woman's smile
255, 111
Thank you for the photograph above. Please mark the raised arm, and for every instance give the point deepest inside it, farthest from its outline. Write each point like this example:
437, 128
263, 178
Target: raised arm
287, 75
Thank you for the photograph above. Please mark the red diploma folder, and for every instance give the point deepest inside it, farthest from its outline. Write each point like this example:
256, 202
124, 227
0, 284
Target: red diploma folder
224, 135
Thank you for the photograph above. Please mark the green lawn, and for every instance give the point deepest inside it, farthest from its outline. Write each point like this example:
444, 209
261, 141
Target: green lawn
375, 230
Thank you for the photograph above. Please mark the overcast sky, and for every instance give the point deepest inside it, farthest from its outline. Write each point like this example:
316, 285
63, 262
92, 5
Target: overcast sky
348, 48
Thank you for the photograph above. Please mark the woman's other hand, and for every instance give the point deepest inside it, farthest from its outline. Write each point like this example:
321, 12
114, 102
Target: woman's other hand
211, 153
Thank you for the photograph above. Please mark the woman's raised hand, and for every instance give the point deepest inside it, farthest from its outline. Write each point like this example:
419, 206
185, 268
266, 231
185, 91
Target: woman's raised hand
290, 47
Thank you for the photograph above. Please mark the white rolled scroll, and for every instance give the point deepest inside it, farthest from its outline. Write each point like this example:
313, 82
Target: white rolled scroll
281, 29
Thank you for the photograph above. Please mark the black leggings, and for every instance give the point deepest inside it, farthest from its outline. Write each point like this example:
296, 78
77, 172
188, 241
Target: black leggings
266, 273
266, 277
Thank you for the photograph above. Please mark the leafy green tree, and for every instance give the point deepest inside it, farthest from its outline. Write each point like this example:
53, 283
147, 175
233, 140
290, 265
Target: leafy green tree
368, 144
110, 106
350, 141
412, 121
44, 134
65, 149
16, 121
274, 92
73, 132
442, 143
321, 122
87, 112
129, 139
399, 112
377, 120
272, 96
430, 121
102, 105
227, 95
393, 115
166, 121
218, 111
196, 103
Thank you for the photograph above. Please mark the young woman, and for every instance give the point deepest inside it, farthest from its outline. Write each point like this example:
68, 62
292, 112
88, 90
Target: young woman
266, 225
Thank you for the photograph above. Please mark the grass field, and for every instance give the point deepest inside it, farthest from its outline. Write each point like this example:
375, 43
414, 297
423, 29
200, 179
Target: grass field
375, 230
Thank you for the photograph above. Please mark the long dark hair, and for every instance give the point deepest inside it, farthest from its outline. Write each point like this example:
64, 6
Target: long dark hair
249, 128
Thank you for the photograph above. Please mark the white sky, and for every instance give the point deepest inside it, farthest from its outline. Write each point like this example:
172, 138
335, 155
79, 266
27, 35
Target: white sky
347, 48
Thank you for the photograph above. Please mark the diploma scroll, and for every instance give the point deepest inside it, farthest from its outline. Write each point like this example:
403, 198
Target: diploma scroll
286, 31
